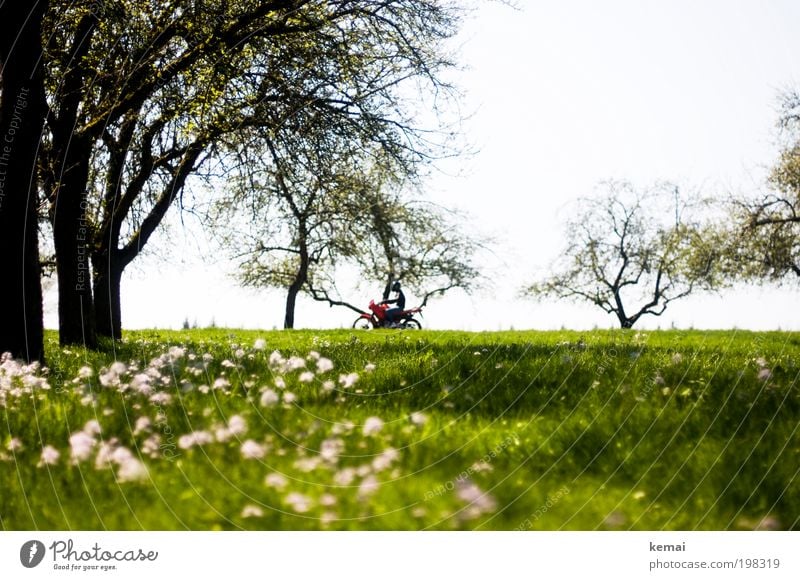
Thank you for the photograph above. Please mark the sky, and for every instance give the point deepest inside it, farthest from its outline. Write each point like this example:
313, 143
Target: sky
561, 95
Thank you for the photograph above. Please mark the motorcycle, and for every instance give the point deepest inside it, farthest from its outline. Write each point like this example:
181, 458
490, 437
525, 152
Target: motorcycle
377, 318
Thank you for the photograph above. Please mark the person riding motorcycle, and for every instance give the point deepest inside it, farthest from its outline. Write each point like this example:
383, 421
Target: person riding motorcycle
393, 313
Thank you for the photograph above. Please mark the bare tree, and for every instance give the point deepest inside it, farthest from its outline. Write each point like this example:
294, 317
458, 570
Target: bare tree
632, 253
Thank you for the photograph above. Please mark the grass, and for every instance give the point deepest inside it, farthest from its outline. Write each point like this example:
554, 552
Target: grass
510, 430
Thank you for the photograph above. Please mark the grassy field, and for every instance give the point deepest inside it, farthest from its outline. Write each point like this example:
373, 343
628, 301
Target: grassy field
227, 429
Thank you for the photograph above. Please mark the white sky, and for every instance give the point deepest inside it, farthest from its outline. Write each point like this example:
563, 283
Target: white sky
566, 94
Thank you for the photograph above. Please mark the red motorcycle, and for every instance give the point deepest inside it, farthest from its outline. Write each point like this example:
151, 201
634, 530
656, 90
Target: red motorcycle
377, 318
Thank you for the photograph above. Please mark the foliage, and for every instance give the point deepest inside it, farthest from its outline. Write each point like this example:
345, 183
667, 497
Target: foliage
647, 248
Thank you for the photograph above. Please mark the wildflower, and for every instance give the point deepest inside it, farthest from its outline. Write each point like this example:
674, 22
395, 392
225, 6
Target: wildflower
14, 444
275, 359
239, 353
280, 383
324, 365
194, 438
161, 399
306, 377
276, 480
344, 476
85, 372
131, 469
764, 374
313, 355
141, 383
81, 446
260, 344
221, 384
289, 398
328, 386
207, 357
372, 426
142, 424
369, 485
330, 449
418, 419
385, 459
237, 425
252, 450
677, 358
479, 501
348, 381
369, 367
228, 364
327, 500
269, 398
307, 464
299, 502
296, 363
252, 511
49, 456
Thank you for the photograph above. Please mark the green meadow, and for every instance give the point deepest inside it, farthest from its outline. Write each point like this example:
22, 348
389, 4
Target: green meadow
405, 430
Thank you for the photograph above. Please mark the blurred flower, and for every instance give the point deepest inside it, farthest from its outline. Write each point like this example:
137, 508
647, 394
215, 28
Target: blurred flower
131, 470
306, 377
49, 456
385, 459
260, 344
252, 450
81, 446
269, 398
194, 438
418, 419
764, 374
369, 367
372, 425
369, 485
276, 480
324, 365
252, 511
348, 381
299, 502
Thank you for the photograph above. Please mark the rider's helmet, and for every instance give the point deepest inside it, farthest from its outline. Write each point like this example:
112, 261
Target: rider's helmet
396, 286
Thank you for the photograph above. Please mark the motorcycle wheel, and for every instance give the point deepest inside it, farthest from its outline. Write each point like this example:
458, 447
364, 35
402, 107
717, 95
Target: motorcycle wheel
362, 323
412, 324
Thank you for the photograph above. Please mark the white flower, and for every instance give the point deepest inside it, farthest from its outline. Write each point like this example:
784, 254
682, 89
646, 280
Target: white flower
239, 353
161, 399
289, 397
237, 425
369, 368
92, 427
222, 384
307, 464
194, 438
49, 456
280, 383
369, 485
306, 377
14, 444
330, 449
269, 398
260, 344
275, 359
81, 446
85, 372
252, 450
132, 470
299, 502
276, 480
324, 365
372, 426
764, 374
141, 383
344, 476
418, 419
296, 363
142, 424
348, 381
118, 368
385, 459
327, 500
228, 364
328, 386
313, 355
252, 511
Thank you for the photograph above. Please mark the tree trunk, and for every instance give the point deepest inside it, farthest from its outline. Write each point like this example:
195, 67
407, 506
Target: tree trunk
71, 237
21, 117
107, 296
297, 284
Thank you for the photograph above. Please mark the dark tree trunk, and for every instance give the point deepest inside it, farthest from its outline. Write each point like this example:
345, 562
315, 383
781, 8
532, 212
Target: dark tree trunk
297, 284
21, 116
71, 237
107, 296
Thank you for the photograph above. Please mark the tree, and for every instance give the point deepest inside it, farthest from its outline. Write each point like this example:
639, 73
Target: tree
21, 117
764, 244
145, 96
629, 247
